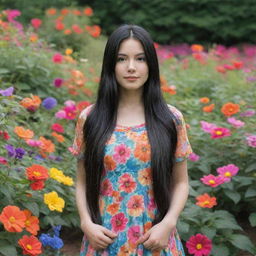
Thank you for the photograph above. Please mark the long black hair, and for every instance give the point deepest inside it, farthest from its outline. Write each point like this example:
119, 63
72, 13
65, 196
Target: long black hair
101, 121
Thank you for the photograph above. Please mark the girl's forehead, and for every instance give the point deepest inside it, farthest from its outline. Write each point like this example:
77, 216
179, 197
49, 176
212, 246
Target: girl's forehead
131, 46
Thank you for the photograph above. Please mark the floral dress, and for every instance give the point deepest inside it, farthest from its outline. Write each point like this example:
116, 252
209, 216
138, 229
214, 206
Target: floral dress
126, 200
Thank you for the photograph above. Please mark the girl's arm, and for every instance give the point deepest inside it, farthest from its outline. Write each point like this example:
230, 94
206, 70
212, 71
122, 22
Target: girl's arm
179, 193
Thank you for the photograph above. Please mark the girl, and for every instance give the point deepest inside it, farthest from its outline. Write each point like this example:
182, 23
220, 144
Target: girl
132, 181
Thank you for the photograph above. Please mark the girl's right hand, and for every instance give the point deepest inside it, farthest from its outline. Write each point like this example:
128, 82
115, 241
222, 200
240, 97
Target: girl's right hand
98, 236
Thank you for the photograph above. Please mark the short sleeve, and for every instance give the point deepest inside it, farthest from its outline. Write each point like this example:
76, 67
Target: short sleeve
78, 143
183, 149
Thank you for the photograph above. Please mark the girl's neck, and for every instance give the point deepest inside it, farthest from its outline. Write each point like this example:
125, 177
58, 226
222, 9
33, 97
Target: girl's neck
131, 99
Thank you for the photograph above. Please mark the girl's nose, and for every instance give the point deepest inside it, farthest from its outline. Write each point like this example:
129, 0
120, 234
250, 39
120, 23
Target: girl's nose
131, 66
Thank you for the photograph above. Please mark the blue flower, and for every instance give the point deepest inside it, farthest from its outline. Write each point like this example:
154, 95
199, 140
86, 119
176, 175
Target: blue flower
20, 152
7, 92
11, 150
56, 242
45, 239
49, 103
56, 230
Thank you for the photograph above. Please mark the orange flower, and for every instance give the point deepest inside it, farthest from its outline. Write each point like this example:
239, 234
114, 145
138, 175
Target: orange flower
59, 26
169, 89
221, 69
47, 145
76, 12
33, 38
204, 100
135, 205
209, 108
23, 133
142, 152
59, 137
36, 172
51, 11
197, 48
88, 11
67, 32
31, 223
113, 208
13, 218
230, 109
31, 245
147, 226
145, 177
64, 11
205, 201
76, 28
32, 103
94, 30
68, 51
109, 163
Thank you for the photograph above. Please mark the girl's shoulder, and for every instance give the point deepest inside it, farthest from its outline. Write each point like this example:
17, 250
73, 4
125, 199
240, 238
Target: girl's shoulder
85, 112
177, 113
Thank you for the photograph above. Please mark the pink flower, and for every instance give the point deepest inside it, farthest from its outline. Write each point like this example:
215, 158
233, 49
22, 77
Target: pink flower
220, 132
57, 58
236, 123
227, 171
12, 14
193, 157
60, 114
251, 140
127, 183
199, 245
57, 128
135, 205
122, 153
70, 112
3, 160
207, 127
134, 234
70, 103
58, 82
34, 143
212, 180
248, 113
36, 23
119, 222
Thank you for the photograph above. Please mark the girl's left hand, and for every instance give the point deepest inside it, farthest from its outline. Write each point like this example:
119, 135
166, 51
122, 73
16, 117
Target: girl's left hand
157, 237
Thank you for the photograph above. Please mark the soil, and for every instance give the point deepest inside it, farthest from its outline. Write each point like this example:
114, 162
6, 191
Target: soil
72, 239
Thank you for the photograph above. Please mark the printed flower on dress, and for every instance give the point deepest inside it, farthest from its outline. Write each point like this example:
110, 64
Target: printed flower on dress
122, 153
31, 245
13, 218
135, 205
119, 222
205, 201
109, 163
113, 208
227, 171
134, 234
199, 245
145, 177
142, 152
106, 188
127, 183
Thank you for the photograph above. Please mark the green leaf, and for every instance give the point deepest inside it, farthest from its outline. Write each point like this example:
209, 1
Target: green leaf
183, 227
209, 232
4, 71
220, 250
250, 192
7, 249
252, 219
226, 224
250, 168
233, 195
242, 242
32, 206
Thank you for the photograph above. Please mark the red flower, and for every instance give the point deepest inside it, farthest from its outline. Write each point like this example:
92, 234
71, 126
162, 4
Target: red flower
13, 218
205, 201
238, 64
31, 245
57, 128
37, 172
4, 135
88, 11
37, 185
57, 58
59, 26
199, 245
36, 23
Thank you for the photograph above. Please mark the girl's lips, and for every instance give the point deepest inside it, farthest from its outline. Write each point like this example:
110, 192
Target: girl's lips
131, 78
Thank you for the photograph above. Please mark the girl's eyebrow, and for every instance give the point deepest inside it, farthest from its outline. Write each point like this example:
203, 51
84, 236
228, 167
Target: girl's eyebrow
123, 54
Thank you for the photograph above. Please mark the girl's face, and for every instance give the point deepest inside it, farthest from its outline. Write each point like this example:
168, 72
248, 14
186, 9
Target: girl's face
131, 68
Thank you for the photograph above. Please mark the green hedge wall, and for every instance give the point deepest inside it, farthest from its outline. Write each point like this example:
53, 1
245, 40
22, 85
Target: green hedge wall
193, 21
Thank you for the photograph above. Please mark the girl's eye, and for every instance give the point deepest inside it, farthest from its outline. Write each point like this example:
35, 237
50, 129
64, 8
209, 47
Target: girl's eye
141, 59
120, 59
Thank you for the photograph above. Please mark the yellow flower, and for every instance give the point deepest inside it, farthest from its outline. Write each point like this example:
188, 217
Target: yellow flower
67, 181
54, 202
68, 51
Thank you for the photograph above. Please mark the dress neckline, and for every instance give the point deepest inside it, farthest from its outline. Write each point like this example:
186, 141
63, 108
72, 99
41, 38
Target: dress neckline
126, 127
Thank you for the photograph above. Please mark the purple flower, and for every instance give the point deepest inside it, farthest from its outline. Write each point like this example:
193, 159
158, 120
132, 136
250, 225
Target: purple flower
58, 82
20, 152
7, 92
11, 150
249, 112
49, 103
251, 140
251, 78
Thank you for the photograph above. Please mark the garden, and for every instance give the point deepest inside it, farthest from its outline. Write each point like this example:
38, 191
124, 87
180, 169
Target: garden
49, 72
